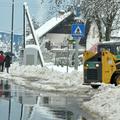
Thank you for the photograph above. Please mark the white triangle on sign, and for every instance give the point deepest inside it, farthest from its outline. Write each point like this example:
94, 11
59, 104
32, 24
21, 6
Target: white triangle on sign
78, 30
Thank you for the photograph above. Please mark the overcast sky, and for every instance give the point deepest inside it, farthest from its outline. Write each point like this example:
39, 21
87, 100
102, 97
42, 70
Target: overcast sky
5, 13
39, 10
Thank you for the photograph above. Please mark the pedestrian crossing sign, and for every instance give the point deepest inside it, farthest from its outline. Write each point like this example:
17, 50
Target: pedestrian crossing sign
78, 30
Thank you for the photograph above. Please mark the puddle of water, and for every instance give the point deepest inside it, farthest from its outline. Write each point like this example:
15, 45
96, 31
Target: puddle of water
20, 103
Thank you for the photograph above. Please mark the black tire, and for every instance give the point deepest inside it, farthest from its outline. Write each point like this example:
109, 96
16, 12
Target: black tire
83, 118
95, 86
117, 80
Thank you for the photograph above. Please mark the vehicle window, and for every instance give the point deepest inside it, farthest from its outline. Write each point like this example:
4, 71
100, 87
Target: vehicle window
118, 49
105, 48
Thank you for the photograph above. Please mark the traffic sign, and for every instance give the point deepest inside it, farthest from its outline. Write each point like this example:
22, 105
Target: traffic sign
78, 30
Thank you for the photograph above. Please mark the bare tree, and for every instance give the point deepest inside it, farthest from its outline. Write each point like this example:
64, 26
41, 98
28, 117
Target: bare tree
36, 25
105, 13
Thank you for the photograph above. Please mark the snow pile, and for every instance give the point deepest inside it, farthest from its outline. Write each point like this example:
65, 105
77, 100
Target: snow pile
106, 103
46, 78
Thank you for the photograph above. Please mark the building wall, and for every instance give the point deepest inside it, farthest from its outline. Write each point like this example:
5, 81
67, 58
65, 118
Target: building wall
57, 39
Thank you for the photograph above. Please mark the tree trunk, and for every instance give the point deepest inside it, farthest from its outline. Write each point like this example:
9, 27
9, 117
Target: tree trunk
88, 24
87, 28
99, 29
98, 22
108, 32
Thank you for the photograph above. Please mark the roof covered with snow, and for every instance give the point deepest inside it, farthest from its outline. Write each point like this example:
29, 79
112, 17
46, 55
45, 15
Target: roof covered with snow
49, 25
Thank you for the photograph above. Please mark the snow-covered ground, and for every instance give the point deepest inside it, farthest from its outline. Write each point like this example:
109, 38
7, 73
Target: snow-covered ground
105, 103
49, 78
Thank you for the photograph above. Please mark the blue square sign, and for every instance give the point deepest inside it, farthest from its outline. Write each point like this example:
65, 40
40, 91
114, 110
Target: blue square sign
78, 30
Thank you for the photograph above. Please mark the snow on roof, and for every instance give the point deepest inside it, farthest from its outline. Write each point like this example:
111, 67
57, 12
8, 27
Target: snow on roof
32, 46
55, 50
49, 25
109, 42
115, 33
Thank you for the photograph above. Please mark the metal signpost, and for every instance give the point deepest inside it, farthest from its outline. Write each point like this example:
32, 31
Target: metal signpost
77, 31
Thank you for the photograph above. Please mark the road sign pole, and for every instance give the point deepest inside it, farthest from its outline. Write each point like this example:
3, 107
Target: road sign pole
76, 54
68, 57
77, 31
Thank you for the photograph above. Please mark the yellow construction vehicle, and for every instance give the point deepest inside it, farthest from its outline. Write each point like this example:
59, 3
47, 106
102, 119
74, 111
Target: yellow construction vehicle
102, 66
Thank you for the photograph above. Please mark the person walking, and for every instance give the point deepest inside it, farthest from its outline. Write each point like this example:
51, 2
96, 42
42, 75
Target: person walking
7, 62
2, 59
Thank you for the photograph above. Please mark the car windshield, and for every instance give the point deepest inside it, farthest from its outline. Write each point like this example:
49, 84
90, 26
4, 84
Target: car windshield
103, 47
118, 50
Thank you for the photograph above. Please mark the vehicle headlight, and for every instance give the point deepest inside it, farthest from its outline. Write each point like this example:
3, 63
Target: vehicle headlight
86, 65
97, 65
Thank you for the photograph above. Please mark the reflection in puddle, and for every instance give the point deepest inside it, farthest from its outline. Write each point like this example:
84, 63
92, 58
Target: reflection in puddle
4, 89
22, 104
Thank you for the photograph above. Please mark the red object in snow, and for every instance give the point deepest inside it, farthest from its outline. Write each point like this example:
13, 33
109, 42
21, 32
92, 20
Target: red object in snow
2, 58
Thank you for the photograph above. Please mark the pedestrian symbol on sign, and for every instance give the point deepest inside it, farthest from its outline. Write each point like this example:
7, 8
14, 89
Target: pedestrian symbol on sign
78, 31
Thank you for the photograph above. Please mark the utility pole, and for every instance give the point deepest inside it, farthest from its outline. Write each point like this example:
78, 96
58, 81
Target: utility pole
12, 25
76, 54
24, 26
28, 17
67, 55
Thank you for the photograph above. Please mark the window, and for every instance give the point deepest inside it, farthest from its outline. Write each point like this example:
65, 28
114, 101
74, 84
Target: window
118, 50
105, 48
46, 100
